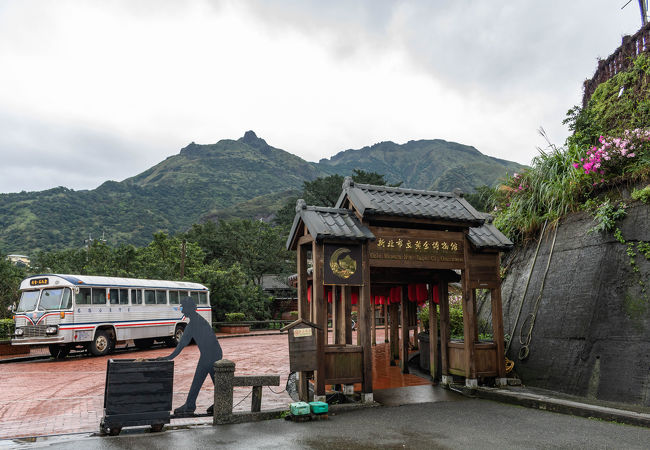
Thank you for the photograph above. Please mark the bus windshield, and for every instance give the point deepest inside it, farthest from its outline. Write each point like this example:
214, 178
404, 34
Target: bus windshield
51, 299
28, 301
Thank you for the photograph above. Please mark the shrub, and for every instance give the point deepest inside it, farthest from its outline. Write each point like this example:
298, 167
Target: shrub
6, 328
293, 314
606, 215
642, 195
235, 317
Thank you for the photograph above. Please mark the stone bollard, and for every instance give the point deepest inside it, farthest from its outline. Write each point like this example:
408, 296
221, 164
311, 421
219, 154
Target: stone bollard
224, 375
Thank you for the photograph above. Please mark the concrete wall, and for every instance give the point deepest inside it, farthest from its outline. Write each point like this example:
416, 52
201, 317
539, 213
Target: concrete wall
592, 333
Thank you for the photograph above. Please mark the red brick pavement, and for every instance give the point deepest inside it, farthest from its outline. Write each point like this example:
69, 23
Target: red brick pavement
54, 397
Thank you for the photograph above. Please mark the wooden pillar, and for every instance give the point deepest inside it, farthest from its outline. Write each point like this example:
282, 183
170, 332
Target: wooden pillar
497, 330
320, 310
365, 322
303, 313
469, 318
339, 301
386, 320
444, 326
394, 333
373, 322
433, 331
346, 301
404, 345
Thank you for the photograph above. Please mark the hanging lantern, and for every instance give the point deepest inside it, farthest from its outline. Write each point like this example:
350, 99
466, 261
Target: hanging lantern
309, 294
412, 294
436, 295
421, 293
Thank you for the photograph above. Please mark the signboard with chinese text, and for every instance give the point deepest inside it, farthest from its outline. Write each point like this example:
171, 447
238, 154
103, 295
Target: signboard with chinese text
417, 248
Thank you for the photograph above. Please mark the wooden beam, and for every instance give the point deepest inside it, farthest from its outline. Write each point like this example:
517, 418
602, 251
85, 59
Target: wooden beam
307, 239
303, 313
404, 346
320, 312
347, 305
394, 332
364, 321
497, 330
386, 320
444, 327
433, 332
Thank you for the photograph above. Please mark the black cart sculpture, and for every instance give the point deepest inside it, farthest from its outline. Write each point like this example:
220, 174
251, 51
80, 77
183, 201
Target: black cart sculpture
137, 393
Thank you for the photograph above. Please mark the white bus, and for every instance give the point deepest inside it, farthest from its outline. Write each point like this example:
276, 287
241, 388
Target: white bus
96, 313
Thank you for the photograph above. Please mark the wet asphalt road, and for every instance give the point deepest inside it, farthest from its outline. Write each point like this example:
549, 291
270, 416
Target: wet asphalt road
479, 424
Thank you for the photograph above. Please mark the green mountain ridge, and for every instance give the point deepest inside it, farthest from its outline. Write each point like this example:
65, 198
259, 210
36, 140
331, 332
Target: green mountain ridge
244, 178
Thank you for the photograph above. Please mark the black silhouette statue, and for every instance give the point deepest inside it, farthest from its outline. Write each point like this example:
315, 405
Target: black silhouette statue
201, 331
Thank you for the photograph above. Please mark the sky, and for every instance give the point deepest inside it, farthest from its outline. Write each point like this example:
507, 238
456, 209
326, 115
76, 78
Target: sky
99, 90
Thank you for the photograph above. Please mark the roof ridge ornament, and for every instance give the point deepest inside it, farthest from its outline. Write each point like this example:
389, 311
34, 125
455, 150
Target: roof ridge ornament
458, 193
348, 182
300, 205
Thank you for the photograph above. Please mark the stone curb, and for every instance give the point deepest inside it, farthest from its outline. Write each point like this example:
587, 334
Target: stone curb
563, 406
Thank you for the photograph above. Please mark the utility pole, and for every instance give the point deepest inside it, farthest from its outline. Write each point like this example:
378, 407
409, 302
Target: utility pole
643, 5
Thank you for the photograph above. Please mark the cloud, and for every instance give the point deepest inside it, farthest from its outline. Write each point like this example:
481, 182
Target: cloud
40, 155
91, 83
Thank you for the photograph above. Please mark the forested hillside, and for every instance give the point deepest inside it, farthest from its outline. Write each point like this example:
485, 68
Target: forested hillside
244, 178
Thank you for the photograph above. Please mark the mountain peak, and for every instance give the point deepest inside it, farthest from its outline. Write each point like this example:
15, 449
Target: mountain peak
251, 139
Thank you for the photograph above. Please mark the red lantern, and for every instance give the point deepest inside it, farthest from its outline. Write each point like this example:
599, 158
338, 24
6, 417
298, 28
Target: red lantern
421, 293
309, 294
354, 298
329, 296
436, 295
412, 294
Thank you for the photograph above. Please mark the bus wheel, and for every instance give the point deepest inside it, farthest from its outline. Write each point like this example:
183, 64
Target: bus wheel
173, 341
143, 343
102, 344
59, 351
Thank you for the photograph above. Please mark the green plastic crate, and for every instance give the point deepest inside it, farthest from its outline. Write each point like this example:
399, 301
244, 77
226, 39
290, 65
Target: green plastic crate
299, 408
318, 407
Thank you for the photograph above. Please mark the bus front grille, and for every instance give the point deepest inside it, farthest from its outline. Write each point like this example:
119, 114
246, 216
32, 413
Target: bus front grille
34, 330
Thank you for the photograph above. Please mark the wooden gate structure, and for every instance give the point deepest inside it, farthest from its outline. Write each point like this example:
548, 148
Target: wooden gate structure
377, 237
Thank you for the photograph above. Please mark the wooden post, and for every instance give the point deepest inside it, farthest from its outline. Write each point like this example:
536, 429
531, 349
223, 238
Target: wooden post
320, 309
497, 329
444, 326
339, 336
386, 320
347, 311
394, 333
433, 331
303, 313
404, 346
469, 319
334, 314
364, 321
373, 322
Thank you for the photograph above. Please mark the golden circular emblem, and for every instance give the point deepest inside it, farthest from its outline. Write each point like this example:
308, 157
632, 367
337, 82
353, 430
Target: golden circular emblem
342, 266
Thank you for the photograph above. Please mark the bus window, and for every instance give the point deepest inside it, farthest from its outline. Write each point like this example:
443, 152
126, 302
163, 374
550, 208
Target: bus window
161, 297
174, 298
50, 299
82, 297
114, 296
66, 301
195, 297
203, 298
124, 296
136, 296
149, 297
99, 296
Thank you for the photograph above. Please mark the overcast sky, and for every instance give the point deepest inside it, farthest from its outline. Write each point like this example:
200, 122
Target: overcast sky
102, 90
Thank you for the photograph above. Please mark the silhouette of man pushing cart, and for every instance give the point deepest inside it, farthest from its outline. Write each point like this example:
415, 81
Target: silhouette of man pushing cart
201, 331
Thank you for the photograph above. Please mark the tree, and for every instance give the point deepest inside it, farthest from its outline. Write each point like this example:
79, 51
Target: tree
10, 278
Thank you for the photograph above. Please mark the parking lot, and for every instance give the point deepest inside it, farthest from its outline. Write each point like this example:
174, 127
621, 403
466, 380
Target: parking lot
46, 397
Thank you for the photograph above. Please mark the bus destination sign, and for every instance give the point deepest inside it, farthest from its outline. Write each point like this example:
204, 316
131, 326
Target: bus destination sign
39, 281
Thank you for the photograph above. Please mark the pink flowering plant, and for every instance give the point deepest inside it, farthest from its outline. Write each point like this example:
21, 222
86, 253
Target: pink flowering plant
615, 156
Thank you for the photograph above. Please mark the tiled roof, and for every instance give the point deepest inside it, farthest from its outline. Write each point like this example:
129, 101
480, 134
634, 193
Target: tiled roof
371, 200
333, 223
488, 236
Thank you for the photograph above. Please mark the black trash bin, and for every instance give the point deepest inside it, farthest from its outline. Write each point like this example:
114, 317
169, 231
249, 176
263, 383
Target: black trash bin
137, 393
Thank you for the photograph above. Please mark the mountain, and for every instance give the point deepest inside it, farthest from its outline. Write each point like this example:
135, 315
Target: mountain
232, 178
426, 164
